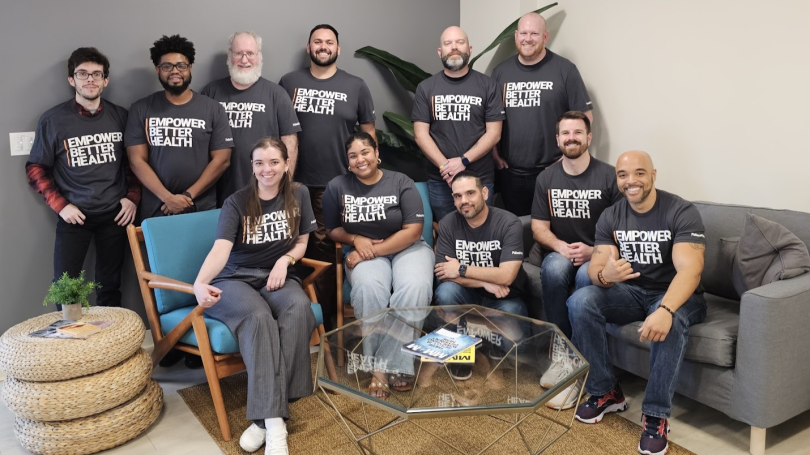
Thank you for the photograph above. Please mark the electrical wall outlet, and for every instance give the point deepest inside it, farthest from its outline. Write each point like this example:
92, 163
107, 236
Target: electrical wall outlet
21, 143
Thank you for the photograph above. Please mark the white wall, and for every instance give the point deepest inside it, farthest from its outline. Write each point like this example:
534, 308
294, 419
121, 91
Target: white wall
715, 91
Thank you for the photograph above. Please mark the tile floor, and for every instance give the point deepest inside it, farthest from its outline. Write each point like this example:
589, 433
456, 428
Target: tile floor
694, 426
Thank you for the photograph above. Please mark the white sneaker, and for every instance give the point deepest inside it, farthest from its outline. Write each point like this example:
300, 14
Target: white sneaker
567, 398
560, 364
277, 443
252, 438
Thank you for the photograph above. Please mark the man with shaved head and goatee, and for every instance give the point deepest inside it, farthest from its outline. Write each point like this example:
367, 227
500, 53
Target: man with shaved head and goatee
538, 86
645, 266
457, 116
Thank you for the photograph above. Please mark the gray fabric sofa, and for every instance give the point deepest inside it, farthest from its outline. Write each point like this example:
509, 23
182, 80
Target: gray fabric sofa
750, 358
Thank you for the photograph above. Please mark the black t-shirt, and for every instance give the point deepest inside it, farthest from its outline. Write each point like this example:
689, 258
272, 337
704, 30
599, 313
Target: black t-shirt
535, 96
261, 110
375, 211
499, 239
86, 154
179, 140
328, 110
262, 248
573, 203
458, 110
646, 239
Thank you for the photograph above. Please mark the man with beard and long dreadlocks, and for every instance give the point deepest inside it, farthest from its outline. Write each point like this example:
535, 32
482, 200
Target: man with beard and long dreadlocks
457, 116
329, 103
256, 108
178, 141
569, 197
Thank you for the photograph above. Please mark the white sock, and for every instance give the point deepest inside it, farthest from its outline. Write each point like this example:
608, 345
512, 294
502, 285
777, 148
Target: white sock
275, 425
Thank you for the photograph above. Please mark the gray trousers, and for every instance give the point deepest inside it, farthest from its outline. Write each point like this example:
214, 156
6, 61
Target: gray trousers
410, 274
273, 330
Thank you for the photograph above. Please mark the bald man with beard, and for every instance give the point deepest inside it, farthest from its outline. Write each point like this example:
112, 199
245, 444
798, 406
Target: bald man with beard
646, 266
457, 116
538, 86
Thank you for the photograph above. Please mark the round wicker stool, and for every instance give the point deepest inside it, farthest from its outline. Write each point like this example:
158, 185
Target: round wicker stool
95, 433
52, 359
79, 397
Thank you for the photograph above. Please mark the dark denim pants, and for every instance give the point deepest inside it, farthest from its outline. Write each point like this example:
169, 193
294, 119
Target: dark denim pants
558, 280
592, 308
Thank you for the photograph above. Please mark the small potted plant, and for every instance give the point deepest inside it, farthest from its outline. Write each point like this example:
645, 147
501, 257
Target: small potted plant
71, 293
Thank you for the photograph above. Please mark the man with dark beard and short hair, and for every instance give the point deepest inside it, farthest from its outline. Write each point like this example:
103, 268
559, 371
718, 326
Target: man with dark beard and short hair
457, 116
256, 108
569, 197
527, 144
178, 141
329, 103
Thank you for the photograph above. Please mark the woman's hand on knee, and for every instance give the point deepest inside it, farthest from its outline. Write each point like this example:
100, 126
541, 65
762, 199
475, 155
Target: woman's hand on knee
364, 247
278, 275
207, 295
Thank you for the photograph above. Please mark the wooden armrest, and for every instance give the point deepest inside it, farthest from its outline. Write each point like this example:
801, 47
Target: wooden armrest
156, 281
318, 266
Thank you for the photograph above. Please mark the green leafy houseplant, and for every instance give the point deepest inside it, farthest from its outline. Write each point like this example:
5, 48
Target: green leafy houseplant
67, 290
409, 75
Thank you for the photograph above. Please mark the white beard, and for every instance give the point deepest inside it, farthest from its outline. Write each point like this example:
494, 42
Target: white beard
245, 77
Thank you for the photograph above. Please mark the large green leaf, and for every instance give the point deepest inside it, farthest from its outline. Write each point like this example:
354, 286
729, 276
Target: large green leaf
507, 33
401, 121
399, 143
407, 74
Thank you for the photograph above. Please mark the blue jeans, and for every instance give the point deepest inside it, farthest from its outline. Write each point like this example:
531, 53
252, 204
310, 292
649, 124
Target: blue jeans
558, 279
592, 308
441, 198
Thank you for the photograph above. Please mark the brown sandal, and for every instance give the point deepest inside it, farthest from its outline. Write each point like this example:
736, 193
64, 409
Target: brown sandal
378, 389
405, 381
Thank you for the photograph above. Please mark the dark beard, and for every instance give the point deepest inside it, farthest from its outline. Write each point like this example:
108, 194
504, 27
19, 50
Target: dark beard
314, 58
176, 90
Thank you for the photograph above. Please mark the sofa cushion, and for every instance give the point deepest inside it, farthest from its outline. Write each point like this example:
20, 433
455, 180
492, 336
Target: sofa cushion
767, 252
713, 341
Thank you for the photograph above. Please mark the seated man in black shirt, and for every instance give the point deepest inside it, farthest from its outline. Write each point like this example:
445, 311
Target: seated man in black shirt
646, 266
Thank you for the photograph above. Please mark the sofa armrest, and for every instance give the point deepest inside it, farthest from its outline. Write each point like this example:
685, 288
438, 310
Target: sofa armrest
772, 369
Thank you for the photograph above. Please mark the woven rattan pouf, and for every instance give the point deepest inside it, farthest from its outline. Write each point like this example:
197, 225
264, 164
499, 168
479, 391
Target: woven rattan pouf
95, 433
51, 359
78, 397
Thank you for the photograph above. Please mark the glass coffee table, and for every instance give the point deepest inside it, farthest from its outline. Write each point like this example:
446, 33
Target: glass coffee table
500, 380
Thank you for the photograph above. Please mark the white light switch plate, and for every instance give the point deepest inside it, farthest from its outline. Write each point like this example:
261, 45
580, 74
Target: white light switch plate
21, 143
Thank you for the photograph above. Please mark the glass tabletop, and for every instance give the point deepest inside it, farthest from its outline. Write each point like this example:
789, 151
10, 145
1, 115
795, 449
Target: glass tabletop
502, 374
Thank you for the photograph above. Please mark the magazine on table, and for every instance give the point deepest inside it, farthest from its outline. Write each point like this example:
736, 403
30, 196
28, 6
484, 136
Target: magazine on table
440, 344
465, 356
71, 329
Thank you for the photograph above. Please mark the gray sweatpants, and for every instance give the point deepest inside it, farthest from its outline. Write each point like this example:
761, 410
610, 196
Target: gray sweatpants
273, 330
410, 274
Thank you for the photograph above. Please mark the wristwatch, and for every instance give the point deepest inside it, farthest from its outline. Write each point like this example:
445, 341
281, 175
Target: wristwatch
462, 270
292, 259
188, 195
465, 161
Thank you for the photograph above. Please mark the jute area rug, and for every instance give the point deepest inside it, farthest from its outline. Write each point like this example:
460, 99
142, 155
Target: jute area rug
313, 428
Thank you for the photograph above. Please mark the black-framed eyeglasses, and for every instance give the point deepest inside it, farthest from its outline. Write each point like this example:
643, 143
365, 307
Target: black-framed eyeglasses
83, 75
167, 67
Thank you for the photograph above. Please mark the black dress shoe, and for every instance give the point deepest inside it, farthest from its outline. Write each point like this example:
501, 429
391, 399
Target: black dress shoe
171, 358
193, 362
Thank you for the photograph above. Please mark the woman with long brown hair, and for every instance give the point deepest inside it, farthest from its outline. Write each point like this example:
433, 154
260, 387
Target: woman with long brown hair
247, 283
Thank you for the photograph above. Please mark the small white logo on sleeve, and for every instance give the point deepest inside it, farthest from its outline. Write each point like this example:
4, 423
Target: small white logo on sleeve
695, 234
519, 253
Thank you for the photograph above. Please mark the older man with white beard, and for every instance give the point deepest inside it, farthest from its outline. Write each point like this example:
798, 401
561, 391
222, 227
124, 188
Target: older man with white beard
256, 108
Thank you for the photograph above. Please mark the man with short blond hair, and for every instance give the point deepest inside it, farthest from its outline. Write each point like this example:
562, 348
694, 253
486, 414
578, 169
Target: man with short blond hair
538, 86
256, 108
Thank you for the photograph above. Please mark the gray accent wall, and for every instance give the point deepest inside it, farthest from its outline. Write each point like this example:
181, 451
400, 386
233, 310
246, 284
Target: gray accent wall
39, 36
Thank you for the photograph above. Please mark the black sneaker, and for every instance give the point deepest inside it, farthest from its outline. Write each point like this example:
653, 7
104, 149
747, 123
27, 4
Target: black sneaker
653, 436
193, 361
596, 407
495, 353
171, 358
460, 371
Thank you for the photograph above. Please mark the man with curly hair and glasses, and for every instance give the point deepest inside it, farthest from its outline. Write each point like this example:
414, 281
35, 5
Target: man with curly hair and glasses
79, 165
178, 141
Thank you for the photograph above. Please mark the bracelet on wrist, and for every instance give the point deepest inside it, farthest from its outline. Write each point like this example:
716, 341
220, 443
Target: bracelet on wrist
671, 313
353, 239
602, 279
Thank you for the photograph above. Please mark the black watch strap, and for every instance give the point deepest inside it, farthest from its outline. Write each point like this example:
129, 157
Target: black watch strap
462, 270
188, 195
